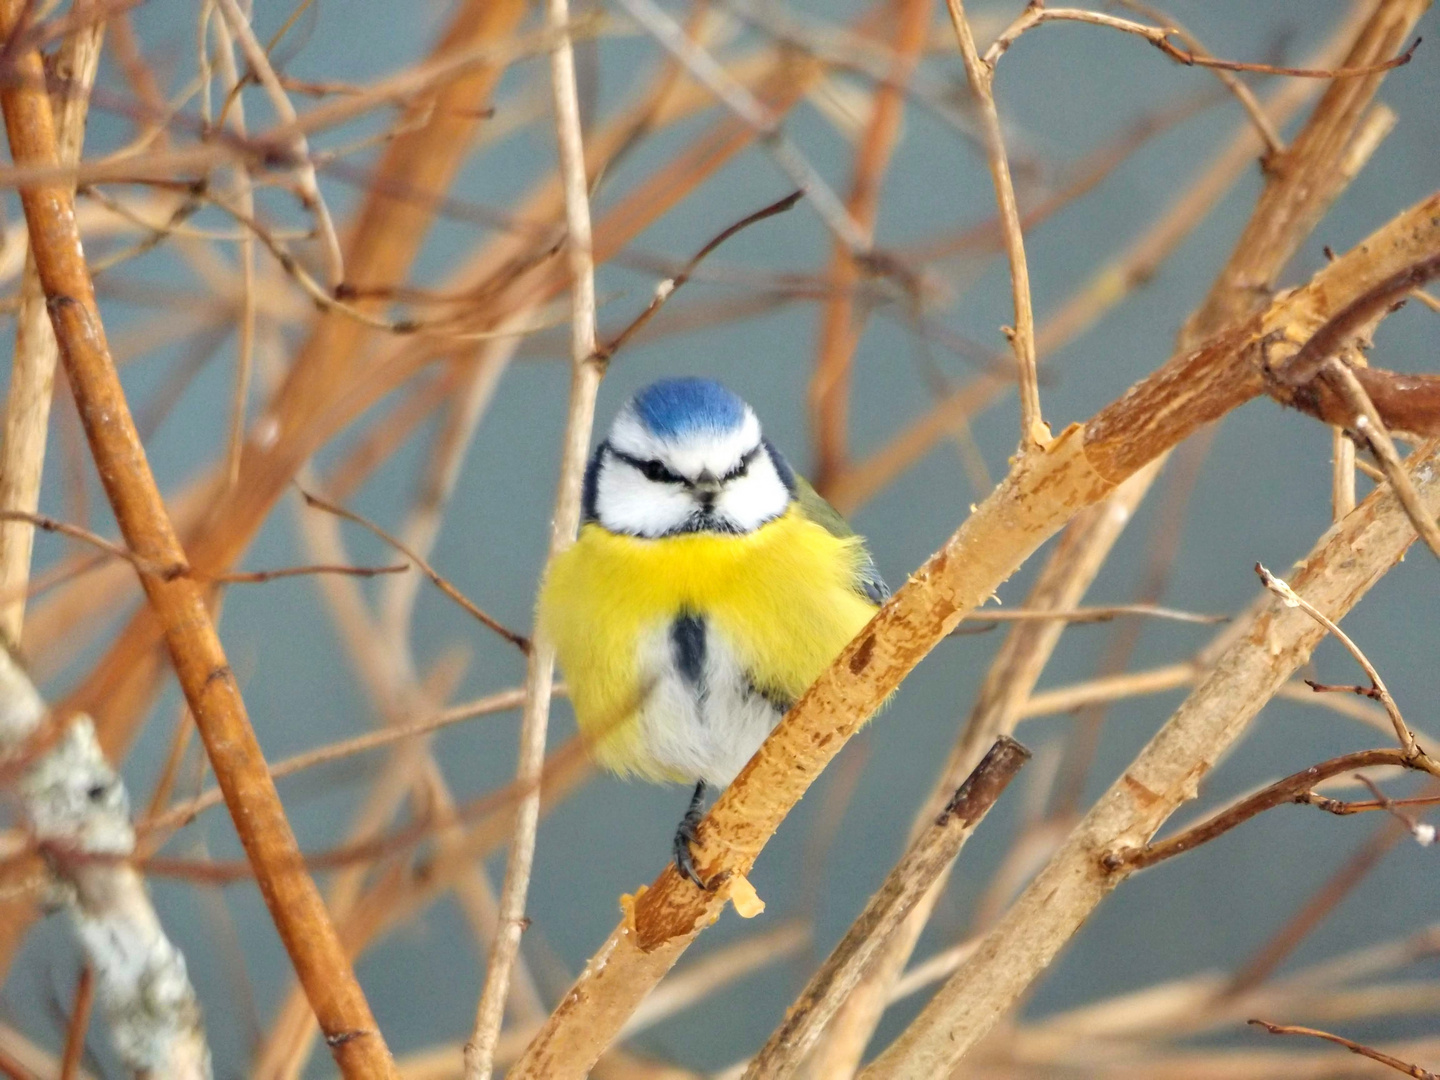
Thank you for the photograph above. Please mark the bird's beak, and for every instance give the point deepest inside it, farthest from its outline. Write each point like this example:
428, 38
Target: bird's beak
706, 485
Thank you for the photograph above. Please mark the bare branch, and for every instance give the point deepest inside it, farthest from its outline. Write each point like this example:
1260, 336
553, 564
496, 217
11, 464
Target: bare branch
1354, 1047
518, 640
981, 74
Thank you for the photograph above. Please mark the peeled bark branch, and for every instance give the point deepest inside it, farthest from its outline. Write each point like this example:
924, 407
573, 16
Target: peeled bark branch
1043, 491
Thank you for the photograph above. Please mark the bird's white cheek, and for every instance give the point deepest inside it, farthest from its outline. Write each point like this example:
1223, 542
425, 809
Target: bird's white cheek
754, 499
628, 503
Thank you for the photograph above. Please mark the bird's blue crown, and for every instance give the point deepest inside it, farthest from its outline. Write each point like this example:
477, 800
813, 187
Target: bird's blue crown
672, 408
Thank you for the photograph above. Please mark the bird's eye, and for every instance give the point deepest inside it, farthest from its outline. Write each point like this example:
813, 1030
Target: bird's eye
656, 471
743, 467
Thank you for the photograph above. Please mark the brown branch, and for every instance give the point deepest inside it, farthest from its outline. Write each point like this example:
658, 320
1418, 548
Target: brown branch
667, 287
1354, 1047
1036, 13
1294, 788
1312, 179
518, 640
32, 370
1241, 92
1347, 560
840, 324
928, 856
240, 577
179, 604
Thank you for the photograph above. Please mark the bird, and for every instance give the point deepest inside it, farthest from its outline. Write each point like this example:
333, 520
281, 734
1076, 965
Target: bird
708, 587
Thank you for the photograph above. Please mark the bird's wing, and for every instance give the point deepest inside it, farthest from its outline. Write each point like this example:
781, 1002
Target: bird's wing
868, 582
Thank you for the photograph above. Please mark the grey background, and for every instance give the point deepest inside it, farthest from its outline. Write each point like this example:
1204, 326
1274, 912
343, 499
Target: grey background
1263, 496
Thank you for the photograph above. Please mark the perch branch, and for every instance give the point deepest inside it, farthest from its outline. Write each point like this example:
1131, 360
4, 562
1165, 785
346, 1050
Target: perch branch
1044, 489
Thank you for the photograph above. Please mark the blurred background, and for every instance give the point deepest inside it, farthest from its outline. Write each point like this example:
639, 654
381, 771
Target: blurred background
1078, 103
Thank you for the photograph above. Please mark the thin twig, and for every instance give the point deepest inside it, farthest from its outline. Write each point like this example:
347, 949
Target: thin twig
586, 372
32, 373
1423, 832
756, 115
1294, 788
1159, 36
1274, 145
79, 1024
518, 640
666, 288
1355, 1048
1382, 693
981, 74
180, 815
309, 189
1093, 614
239, 577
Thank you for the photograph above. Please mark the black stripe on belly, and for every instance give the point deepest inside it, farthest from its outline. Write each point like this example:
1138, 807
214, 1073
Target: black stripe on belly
687, 644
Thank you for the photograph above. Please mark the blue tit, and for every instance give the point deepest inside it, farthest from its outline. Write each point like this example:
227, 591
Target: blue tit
708, 588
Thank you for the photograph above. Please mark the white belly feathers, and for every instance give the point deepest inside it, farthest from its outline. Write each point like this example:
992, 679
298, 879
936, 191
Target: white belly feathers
702, 716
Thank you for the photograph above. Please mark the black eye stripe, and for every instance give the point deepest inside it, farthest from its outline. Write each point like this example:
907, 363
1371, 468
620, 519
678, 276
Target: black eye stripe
742, 467
657, 471
649, 468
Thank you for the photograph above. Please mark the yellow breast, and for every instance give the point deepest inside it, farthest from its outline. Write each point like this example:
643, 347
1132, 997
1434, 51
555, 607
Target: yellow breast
783, 596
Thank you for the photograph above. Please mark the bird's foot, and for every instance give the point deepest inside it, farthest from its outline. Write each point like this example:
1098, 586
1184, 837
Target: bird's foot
685, 835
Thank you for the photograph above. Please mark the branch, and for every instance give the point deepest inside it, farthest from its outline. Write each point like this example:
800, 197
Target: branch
1159, 36
179, 604
1347, 561
929, 855
667, 287
1354, 1047
32, 372
518, 640
1379, 691
1293, 789
239, 577
1044, 490
181, 815
75, 804
586, 371
309, 189
981, 74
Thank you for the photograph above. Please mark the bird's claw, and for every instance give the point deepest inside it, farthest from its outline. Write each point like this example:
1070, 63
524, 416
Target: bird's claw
685, 835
